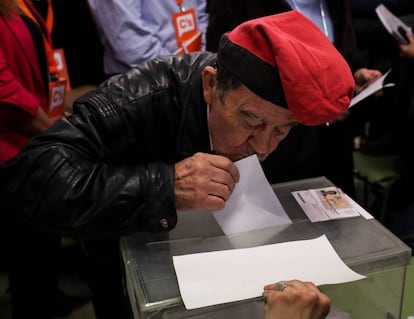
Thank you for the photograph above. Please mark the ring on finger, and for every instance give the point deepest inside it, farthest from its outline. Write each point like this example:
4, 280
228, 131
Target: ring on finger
280, 285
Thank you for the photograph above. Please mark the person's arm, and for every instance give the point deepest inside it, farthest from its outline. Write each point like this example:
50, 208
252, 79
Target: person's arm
298, 300
202, 19
122, 24
20, 108
83, 178
108, 169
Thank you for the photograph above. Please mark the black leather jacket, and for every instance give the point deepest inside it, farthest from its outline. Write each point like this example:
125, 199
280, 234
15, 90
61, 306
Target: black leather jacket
108, 169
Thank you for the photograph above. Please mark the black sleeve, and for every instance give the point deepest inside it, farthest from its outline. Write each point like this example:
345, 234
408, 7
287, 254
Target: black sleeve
79, 180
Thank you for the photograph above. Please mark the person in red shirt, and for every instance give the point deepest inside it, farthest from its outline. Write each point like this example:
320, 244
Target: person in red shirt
26, 66
24, 75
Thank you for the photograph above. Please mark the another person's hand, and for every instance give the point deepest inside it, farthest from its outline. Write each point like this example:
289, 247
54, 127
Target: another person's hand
204, 182
407, 50
297, 300
363, 77
39, 123
30, 125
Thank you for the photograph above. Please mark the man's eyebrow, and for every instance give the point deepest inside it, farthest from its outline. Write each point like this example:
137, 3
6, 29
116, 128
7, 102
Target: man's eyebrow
254, 116
251, 115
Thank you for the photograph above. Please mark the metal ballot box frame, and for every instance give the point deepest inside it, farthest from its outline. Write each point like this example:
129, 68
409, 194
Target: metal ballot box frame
364, 245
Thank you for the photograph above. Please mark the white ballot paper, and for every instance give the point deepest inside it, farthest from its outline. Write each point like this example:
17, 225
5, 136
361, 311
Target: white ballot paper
253, 204
374, 87
396, 27
218, 277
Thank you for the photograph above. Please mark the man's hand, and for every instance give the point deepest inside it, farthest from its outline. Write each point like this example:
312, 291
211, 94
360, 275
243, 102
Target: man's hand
204, 182
363, 77
299, 300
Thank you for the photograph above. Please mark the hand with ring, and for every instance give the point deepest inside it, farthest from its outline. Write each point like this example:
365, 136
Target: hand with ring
295, 299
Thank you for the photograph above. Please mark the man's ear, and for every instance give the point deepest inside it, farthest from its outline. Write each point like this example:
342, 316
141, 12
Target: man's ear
209, 84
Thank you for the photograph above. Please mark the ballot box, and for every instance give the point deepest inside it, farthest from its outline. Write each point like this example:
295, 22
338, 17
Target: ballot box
363, 244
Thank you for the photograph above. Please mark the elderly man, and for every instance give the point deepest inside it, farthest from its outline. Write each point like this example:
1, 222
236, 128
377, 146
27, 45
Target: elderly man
164, 135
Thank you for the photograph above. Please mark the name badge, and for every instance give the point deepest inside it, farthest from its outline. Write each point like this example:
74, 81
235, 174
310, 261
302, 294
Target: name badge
62, 70
186, 32
56, 105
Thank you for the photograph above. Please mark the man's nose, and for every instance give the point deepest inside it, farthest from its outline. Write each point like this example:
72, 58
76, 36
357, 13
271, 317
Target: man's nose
265, 141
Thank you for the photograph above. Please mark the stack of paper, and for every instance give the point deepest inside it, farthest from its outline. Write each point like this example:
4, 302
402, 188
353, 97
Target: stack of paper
327, 203
372, 88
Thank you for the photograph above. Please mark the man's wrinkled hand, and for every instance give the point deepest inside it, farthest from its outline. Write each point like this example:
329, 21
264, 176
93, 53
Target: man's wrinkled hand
204, 182
298, 300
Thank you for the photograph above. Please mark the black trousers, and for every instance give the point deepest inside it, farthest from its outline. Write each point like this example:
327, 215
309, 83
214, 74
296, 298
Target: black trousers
33, 272
34, 266
105, 275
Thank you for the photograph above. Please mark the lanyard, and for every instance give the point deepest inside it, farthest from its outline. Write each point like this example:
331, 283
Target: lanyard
322, 13
180, 5
49, 17
46, 28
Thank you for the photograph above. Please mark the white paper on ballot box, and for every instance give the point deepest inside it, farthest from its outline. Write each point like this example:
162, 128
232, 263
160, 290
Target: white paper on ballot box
253, 204
218, 277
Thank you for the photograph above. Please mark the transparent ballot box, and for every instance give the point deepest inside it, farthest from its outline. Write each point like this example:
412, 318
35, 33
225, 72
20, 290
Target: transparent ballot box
363, 244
